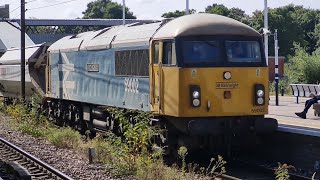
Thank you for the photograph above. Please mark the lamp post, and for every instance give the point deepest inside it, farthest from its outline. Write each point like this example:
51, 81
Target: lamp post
187, 6
276, 65
265, 30
23, 63
124, 12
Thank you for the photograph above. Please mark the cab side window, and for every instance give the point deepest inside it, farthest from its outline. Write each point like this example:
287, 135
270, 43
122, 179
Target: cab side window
156, 53
169, 54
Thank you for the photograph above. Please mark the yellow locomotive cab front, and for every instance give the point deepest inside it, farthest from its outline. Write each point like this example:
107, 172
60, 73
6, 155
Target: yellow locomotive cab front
218, 96
202, 90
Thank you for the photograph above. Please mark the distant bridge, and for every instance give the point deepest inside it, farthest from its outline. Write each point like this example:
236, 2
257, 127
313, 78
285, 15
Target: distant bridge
50, 30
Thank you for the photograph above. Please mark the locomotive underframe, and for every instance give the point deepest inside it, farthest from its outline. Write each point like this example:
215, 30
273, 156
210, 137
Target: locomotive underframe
193, 133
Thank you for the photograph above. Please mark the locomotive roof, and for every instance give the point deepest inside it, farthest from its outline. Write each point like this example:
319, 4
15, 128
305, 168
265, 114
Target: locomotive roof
135, 34
139, 34
204, 24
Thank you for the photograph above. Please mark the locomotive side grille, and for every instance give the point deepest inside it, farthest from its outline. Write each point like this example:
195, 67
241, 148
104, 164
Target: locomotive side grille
132, 63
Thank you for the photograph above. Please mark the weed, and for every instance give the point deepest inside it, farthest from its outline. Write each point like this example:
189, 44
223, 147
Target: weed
65, 137
183, 152
32, 130
216, 167
282, 172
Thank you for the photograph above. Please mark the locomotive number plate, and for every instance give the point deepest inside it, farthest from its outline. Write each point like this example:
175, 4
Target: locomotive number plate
93, 67
227, 85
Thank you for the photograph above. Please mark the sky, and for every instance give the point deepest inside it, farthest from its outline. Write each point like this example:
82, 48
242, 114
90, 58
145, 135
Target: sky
142, 9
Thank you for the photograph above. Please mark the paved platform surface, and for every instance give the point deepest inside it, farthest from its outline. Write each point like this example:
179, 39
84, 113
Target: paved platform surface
288, 121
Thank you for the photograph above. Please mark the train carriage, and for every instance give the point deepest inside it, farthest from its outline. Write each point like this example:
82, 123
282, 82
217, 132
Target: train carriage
201, 75
10, 71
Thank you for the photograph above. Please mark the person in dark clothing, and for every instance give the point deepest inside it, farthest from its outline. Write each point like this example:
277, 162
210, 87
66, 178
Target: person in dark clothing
307, 105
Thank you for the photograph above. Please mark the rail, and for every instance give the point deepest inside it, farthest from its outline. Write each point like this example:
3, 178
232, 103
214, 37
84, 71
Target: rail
35, 160
304, 90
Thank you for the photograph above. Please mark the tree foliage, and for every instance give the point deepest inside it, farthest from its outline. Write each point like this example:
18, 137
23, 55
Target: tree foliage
303, 67
234, 13
106, 9
295, 24
177, 13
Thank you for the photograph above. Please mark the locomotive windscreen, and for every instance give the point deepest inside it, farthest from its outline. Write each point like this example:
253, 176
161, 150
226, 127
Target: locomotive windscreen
221, 53
243, 51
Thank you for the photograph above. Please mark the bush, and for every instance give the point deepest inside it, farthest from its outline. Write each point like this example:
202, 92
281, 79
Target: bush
32, 130
302, 67
66, 138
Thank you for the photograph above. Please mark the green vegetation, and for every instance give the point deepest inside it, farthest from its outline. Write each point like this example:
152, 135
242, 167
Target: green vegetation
300, 68
65, 138
282, 172
105, 9
304, 68
124, 155
183, 152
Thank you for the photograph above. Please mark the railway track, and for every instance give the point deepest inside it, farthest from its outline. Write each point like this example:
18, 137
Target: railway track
18, 164
248, 170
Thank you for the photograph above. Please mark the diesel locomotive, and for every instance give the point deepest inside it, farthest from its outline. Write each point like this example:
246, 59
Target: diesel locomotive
201, 76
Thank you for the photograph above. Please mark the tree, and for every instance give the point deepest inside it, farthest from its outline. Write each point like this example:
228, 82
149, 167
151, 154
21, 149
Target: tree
234, 13
106, 9
217, 9
295, 24
177, 13
316, 34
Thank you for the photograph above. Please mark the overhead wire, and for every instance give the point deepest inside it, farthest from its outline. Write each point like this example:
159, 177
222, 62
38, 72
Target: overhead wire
14, 9
31, 1
41, 7
18, 8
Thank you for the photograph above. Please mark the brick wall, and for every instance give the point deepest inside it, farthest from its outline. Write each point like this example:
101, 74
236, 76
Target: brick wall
272, 68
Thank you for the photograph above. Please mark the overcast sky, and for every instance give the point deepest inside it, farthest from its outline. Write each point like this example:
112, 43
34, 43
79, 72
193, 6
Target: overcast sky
143, 9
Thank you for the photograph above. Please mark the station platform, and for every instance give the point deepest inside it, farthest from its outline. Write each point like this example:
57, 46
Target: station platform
288, 121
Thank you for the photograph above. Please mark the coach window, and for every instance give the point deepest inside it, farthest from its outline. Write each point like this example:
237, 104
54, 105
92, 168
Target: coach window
156, 53
169, 54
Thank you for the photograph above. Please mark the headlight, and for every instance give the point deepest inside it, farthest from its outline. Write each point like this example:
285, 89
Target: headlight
260, 93
260, 101
195, 94
196, 102
227, 75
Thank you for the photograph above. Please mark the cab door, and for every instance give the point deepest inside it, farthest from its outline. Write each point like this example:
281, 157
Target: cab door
155, 76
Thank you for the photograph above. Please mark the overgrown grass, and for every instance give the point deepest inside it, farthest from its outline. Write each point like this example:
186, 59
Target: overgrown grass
65, 138
127, 155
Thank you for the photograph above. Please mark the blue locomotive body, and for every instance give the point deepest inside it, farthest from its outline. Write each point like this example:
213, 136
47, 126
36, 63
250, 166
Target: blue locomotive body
92, 77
